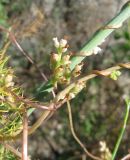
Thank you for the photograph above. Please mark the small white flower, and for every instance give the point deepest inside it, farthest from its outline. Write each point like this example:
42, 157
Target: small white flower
56, 42
63, 43
64, 50
97, 50
102, 146
54, 57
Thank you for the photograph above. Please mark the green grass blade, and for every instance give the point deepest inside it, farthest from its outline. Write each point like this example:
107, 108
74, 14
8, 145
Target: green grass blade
122, 130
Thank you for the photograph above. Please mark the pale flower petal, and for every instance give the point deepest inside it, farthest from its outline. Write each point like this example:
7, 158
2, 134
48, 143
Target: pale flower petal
102, 146
63, 43
64, 50
56, 42
97, 50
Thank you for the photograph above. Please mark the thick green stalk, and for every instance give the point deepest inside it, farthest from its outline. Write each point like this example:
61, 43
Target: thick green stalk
101, 34
95, 41
122, 131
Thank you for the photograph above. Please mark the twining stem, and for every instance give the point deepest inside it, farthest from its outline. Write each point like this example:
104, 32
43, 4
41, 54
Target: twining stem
95, 73
122, 131
59, 101
62, 95
75, 136
87, 49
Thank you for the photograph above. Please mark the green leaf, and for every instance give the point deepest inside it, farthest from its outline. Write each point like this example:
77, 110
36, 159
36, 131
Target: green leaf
115, 74
126, 35
45, 87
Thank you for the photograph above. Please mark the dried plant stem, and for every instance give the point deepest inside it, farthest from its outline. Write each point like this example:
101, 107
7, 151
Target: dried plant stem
25, 137
27, 102
40, 120
59, 101
14, 151
122, 132
75, 136
14, 40
66, 91
94, 73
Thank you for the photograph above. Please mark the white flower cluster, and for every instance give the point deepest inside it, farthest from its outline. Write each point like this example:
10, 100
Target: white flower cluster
105, 152
60, 44
103, 146
60, 64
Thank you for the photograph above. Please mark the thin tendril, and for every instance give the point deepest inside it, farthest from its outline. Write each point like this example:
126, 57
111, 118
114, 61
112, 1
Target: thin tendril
75, 136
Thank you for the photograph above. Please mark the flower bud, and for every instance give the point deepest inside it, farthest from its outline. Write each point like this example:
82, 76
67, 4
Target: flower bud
54, 60
63, 80
64, 50
59, 72
97, 50
77, 70
66, 59
102, 146
9, 81
63, 43
56, 42
54, 57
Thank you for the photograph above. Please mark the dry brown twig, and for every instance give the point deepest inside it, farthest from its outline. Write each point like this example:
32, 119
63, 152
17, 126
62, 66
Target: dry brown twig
29, 103
59, 100
14, 40
25, 137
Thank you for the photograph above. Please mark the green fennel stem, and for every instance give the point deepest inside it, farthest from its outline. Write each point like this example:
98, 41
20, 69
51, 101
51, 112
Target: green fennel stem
101, 34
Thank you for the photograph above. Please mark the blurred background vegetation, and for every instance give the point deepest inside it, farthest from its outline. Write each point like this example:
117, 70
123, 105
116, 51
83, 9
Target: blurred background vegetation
99, 109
